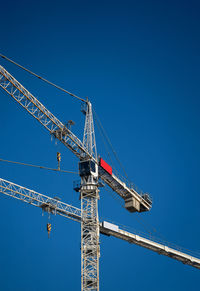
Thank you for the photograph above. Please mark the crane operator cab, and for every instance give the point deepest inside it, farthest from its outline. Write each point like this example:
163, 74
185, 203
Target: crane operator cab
87, 168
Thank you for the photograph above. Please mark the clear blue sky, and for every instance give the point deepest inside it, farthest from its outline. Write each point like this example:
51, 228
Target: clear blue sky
138, 62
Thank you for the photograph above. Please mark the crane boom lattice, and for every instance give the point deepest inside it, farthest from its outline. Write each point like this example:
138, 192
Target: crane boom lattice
109, 229
133, 200
48, 204
41, 113
89, 194
90, 170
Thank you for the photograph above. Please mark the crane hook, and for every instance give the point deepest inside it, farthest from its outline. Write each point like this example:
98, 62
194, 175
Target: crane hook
48, 229
58, 159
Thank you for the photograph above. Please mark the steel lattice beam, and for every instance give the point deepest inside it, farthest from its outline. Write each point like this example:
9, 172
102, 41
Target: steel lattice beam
90, 250
33, 198
89, 194
39, 112
48, 204
61, 132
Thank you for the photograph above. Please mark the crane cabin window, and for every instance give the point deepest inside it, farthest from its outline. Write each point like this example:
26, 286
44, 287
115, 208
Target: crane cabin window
86, 168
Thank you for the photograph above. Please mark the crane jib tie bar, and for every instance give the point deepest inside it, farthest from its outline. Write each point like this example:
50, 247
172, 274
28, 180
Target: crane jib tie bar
43, 79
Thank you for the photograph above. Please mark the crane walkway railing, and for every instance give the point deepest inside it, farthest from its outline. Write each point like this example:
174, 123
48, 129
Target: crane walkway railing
162, 249
141, 203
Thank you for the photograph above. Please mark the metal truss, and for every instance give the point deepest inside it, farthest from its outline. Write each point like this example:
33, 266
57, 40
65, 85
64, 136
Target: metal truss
89, 134
87, 215
48, 204
90, 250
89, 194
84, 150
43, 115
91, 253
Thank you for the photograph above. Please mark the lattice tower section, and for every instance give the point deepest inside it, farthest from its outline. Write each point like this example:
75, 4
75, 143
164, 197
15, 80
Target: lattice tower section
89, 193
90, 250
89, 134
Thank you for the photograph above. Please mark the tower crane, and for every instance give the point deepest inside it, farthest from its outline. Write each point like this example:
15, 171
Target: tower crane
53, 206
91, 170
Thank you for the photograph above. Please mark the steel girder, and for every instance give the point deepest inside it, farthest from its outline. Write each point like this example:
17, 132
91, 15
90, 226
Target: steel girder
41, 113
48, 204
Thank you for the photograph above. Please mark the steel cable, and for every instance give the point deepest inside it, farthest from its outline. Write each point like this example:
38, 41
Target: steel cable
43, 79
40, 167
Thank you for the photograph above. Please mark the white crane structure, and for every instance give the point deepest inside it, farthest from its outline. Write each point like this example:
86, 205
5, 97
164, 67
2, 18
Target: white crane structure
53, 206
91, 170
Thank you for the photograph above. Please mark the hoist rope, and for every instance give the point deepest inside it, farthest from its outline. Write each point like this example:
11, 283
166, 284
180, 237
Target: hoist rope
43, 79
40, 167
99, 124
109, 143
103, 139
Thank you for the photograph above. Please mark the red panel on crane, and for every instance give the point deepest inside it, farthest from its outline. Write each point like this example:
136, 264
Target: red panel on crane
105, 166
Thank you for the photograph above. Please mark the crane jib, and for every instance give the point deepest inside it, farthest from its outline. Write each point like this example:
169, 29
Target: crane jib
54, 206
41, 113
133, 200
90, 169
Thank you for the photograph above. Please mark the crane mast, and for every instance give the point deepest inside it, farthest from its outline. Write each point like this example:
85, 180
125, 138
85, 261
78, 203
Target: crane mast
89, 194
90, 170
